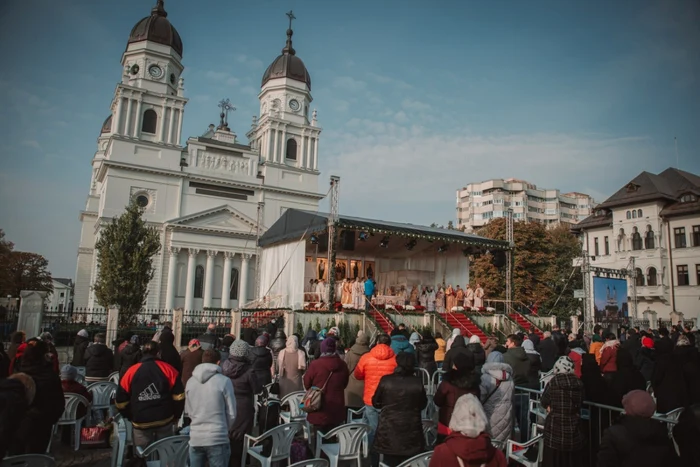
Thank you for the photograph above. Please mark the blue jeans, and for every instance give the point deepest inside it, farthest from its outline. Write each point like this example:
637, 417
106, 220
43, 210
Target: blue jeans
521, 404
368, 302
371, 418
217, 455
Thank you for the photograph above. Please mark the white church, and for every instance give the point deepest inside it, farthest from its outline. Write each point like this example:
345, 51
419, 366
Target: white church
206, 197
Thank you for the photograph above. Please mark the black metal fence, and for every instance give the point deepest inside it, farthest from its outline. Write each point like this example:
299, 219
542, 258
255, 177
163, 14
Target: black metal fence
64, 325
145, 325
8, 322
195, 323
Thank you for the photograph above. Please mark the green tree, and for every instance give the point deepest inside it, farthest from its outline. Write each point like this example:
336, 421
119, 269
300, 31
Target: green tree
22, 270
317, 325
564, 278
450, 225
300, 329
125, 251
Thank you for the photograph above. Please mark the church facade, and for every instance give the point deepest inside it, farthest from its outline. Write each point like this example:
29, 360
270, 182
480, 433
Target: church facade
209, 197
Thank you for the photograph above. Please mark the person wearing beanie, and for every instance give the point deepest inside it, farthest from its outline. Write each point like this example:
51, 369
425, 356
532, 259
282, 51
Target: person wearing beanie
331, 373
82, 340
459, 380
496, 394
69, 384
400, 398
129, 356
262, 361
459, 346
291, 363
239, 370
190, 358
637, 440
469, 442
48, 338
646, 358
477, 351
311, 344
355, 388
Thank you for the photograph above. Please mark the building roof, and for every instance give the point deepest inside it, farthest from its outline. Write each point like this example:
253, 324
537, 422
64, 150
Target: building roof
287, 65
157, 28
295, 223
107, 125
64, 281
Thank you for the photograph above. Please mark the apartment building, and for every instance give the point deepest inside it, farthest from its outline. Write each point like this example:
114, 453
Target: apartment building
478, 203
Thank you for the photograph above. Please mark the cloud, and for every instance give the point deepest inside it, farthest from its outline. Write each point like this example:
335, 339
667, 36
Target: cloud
31, 143
393, 82
414, 105
250, 62
349, 84
233, 81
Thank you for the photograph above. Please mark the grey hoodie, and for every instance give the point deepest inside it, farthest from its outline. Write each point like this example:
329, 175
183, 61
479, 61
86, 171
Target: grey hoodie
211, 404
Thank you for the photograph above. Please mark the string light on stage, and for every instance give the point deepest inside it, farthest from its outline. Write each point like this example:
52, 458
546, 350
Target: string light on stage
411, 245
384, 243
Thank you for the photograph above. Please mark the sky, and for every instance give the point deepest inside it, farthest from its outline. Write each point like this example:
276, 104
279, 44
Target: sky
416, 99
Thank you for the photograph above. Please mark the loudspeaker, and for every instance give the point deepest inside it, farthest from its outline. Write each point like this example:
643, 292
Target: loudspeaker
347, 240
499, 258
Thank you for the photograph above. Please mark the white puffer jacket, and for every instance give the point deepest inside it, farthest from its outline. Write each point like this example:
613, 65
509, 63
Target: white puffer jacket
497, 400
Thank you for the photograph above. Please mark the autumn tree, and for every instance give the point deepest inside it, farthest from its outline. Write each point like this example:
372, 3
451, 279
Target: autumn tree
542, 265
25, 271
125, 251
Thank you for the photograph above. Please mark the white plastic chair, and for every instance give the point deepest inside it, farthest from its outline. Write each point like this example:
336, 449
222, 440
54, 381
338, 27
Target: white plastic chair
81, 379
69, 416
430, 433
311, 463
102, 394
351, 438
28, 460
295, 414
544, 379
123, 439
356, 416
114, 377
536, 409
519, 454
282, 437
172, 451
421, 460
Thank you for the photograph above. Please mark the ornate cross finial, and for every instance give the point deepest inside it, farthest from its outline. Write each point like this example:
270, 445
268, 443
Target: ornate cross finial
225, 106
291, 17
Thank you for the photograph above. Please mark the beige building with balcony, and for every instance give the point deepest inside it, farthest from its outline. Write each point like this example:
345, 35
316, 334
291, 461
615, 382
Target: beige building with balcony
478, 203
653, 223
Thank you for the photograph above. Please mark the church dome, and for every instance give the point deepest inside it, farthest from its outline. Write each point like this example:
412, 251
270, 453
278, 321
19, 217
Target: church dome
107, 125
288, 65
157, 28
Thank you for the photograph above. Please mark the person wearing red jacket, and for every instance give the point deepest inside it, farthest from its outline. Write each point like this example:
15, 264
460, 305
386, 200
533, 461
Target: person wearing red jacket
378, 362
608, 355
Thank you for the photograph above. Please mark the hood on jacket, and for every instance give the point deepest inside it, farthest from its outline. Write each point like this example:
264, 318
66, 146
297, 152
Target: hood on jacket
359, 349
98, 349
497, 370
474, 451
458, 342
518, 353
204, 371
382, 352
310, 336
398, 337
235, 367
333, 362
566, 381
469, 417
131, 349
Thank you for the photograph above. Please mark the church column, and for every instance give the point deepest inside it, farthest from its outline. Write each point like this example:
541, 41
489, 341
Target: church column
189, 290
137, 130
283, 146
171, 126
275, 152
303, 147
117, 119
161, 132
127, 127
316, 153
243, 294
209, 278
226, 286
172, 282
179, 125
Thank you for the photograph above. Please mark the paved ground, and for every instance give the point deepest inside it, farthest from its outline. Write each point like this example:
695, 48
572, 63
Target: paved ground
85, 457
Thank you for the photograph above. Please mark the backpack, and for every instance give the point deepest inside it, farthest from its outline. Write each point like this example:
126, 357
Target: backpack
313, 399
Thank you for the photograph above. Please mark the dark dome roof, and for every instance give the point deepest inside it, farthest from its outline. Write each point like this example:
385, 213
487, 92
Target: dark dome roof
157, 28
288, 65
107, 125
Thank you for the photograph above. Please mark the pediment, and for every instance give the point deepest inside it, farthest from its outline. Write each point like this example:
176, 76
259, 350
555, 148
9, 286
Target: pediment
223, 218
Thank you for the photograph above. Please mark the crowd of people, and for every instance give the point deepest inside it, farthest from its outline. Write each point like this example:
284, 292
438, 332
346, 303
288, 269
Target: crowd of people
482, 399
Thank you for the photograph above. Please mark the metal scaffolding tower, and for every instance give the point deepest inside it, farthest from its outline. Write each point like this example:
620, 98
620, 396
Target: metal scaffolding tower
332, 236
258, 233
588, 313
509, 257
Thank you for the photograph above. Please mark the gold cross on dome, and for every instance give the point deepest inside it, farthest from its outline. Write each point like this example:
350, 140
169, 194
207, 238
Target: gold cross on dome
291, 17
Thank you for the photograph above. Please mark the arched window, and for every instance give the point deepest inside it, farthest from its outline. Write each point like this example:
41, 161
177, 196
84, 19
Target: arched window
639, 213
621, 240
199, 282
233, 288
649, 239
291, 149
150, 121
639, 277
636, 239
634, 214
629, 215
651, 276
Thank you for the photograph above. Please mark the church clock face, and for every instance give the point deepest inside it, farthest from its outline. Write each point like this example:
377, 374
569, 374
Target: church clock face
155, 71
294, 105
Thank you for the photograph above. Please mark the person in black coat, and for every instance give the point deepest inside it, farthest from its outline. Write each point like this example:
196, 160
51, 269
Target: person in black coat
82, 340
646, 357
99, 359
130, 356
245, 386
548, 352
664, 344
425, 352
633, 343
477, 350
168, 352
262, 361
458, 347
401, 398
637, 440
35, 429
676, 377
686, 433
311, 344
627, 378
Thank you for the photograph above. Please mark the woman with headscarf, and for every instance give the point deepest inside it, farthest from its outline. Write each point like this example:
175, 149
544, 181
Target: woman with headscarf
262, 361
533, 375
425, 352
562, 398
355, 389
401, 398
637, 440
455, 332
330, 373
496, 393
245, 386
459, 346
459, 380
477, 351
82, 340
469, 444
291, 363
414, 339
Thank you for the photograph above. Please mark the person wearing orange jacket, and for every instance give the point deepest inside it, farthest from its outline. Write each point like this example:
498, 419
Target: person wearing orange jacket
378, 362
